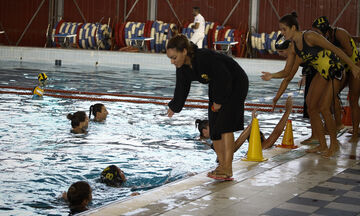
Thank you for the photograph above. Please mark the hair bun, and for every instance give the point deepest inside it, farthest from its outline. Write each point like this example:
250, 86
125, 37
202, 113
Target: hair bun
294, 14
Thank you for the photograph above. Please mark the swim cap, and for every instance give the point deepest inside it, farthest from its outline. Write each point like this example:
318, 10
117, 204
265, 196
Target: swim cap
321, 23
281, 43
38, 91
111, 176
42, 77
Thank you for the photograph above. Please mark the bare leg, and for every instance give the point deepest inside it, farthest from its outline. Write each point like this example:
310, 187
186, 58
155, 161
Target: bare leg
219, 149
225, 151
354, 89
243, 136
339, 86
326, 102
229, 152
337, 114
317, 86
269, 142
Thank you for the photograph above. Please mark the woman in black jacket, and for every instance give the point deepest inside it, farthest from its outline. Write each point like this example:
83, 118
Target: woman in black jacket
228, 87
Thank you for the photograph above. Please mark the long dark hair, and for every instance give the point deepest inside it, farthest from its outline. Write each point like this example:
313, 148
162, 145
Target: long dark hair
290, 20
181, 42
95, 108
76, 118
78, 192
201, 124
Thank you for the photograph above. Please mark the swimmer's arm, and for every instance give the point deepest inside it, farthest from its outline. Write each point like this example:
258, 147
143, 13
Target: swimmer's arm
279, 127
314, 39
245, 134
287, 80
344, 40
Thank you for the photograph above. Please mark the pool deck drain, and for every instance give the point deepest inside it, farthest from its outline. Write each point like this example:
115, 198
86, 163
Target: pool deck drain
258, 188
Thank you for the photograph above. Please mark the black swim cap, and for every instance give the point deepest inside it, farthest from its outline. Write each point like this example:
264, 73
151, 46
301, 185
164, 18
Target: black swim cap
111, 176
321, 23
281, 43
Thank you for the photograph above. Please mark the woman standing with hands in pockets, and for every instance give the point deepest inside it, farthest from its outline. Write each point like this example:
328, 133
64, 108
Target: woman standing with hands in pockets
228, 87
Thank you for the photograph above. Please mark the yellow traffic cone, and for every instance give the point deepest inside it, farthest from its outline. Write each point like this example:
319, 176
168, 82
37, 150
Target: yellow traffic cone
255, 149
288, 139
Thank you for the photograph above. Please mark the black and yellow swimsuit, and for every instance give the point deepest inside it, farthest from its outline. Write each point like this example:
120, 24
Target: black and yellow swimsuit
324, 61
355, 57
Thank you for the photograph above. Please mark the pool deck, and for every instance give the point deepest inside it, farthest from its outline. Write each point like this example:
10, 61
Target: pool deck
291, 182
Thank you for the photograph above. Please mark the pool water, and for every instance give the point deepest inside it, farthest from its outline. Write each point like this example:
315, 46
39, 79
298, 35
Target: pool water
40, 158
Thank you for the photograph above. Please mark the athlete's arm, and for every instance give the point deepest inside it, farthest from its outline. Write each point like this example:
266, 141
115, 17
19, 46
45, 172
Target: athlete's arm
287, 80
280, 126
344, 39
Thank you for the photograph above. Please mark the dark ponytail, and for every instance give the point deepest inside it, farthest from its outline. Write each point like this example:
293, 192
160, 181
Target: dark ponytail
90, 110
290, 20
201, 124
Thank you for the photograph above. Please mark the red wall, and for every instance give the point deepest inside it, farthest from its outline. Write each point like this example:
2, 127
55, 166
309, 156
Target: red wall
94, 10
212, 10
15, 15
308, 11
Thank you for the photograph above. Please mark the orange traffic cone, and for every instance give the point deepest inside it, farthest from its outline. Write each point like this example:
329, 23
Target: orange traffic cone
255, 149
346, 118
288, 139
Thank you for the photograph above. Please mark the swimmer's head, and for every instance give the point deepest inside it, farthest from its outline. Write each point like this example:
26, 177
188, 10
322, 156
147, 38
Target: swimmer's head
322, 24
262, 137
112, 176
38, 91
99, 111
203, 127
79, 194
42, 78
79, 121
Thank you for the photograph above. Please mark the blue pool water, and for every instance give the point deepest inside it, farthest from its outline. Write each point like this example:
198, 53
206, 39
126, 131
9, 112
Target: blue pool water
40, 158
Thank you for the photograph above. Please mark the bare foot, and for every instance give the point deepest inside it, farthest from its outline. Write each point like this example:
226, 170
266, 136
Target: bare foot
331, 151
221, 171
317, 149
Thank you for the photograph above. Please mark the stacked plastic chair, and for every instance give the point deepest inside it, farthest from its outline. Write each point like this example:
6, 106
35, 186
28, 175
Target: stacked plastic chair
88, 35
264, 42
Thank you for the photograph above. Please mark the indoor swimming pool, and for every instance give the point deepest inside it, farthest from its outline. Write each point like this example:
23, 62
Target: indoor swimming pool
40, 158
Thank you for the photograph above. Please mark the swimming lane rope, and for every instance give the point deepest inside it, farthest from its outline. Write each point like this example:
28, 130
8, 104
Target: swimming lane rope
297, 109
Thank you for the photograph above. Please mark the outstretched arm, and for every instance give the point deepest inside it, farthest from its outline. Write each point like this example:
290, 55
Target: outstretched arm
245, 134
280, 126
290, 59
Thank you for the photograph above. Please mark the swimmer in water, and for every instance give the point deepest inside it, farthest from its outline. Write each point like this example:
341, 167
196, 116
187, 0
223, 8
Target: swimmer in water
79, 195
99, 111
79, 122
38, 91
113, 176
245, 135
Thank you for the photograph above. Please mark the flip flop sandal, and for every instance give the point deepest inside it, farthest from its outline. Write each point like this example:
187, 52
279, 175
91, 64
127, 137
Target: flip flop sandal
220, 177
